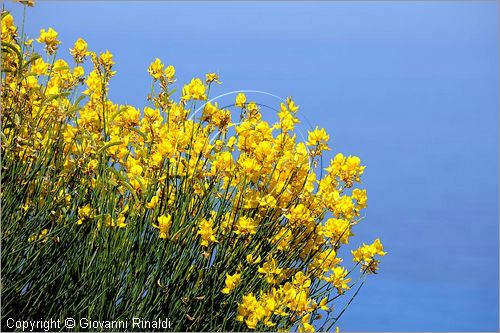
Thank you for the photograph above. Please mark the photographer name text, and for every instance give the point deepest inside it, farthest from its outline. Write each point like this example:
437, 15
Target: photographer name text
88, 323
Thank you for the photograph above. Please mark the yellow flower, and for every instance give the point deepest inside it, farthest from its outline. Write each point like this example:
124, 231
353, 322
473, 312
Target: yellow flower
250, 311
120, 222
153, 202
78, 71
79, 50
231, 282
299, 214
264, 151
306, 327
291, 105
155, 69
338, 279
128, 117
344, 207
212, 77
49, 38
367, 252
348, 169
337, 230
324, 261
136, 170
94, 83
378, 248
85, 213
194, 90
360, 197
250, 259
365, 255
249, 166
240, 100
156, 159
41, 236
106, 60
287, 119
8, 28
170, 73
92, 165
152, 114
223, 162
301, 280
39, 67
134, 167
207, 233
270, 269
319, 138
164, 222
282, 239
230, 142
30, 82
245, 226
216, 116
268, 201
323, 304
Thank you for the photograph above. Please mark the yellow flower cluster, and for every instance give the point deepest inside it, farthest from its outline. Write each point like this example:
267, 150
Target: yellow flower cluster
249, 188
268, 307
366, 255
79, 50
49, 38
163, 225
231, 282
9, 30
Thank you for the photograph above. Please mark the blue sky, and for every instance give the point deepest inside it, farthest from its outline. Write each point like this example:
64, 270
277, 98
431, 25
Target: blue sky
411, 88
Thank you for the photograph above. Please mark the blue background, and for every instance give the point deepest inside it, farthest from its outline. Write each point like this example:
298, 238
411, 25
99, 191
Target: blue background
411, 88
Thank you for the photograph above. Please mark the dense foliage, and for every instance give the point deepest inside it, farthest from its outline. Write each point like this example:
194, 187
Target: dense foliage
219, 222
